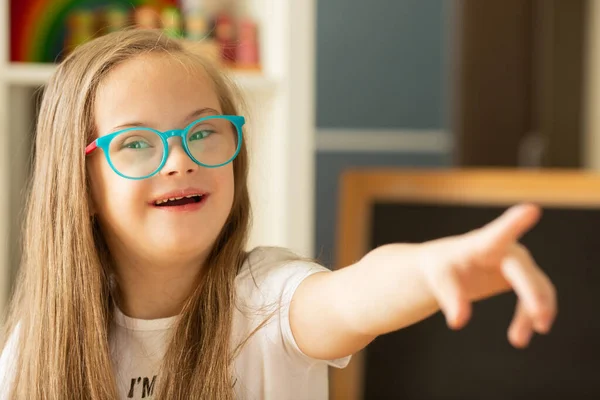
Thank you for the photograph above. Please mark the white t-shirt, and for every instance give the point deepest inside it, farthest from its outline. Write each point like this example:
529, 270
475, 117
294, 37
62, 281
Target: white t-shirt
269, 366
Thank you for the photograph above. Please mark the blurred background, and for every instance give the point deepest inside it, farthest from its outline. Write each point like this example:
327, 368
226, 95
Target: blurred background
335, 85
452, 83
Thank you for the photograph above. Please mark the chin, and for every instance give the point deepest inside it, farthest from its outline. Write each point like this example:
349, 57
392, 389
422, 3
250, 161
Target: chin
181, 246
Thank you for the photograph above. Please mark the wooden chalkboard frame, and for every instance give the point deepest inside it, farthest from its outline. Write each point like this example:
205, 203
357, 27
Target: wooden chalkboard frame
360, 189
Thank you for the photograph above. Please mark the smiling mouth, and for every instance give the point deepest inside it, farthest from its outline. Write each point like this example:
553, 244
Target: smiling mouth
179, 201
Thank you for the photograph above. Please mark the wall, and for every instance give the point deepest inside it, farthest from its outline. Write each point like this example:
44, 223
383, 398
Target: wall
381, 93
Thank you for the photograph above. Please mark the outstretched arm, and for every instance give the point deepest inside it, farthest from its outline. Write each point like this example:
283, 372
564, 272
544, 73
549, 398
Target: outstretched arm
337, 314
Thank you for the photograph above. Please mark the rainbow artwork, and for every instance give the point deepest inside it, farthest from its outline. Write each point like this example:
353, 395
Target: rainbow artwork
39, 28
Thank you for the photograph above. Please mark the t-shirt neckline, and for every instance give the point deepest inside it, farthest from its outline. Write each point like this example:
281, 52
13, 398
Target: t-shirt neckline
136, 324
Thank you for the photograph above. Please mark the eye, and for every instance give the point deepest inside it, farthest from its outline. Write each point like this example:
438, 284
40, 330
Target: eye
201, 134
136, 145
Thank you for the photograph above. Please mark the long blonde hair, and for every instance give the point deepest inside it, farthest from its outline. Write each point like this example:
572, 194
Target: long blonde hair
62, 305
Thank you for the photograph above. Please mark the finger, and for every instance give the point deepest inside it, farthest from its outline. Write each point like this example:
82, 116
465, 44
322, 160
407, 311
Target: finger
521, 327
451, 299
511, 225
533, 288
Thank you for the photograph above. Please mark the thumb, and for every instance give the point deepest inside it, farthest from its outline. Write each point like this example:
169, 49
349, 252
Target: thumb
511, 225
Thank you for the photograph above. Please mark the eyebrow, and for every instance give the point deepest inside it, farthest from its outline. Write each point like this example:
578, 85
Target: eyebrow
198, 113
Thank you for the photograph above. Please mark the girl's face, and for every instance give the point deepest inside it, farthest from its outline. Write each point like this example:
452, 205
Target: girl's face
158, 92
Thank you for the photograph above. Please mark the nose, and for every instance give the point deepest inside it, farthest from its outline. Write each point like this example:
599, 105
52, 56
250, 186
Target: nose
178, 162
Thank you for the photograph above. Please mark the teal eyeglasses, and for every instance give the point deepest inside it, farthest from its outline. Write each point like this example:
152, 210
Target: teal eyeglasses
140, 152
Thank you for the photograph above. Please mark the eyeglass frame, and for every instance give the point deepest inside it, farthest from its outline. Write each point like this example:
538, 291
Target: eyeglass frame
103, 142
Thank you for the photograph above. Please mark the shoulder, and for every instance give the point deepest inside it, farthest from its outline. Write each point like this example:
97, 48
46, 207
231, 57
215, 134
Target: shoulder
273, 270
265, 287
270, 276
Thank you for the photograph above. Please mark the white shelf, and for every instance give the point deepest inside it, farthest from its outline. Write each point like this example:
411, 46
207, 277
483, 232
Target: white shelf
34, 74
27, 74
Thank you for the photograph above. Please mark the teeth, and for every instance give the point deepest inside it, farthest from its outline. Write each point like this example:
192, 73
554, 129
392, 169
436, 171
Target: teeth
159, 202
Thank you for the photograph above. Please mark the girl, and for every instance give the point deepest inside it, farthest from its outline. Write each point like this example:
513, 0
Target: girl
135, 282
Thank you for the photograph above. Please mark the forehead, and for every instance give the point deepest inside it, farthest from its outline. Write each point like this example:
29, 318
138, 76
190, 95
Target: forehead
157, 90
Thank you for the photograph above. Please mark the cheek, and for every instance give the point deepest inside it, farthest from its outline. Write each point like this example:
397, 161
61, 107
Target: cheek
225, 185
114, 198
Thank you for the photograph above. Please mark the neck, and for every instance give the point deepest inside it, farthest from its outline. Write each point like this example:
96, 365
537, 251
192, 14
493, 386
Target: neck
150, 290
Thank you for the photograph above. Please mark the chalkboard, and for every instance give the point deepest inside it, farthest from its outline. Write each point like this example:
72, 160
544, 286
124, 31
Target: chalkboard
428, 360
